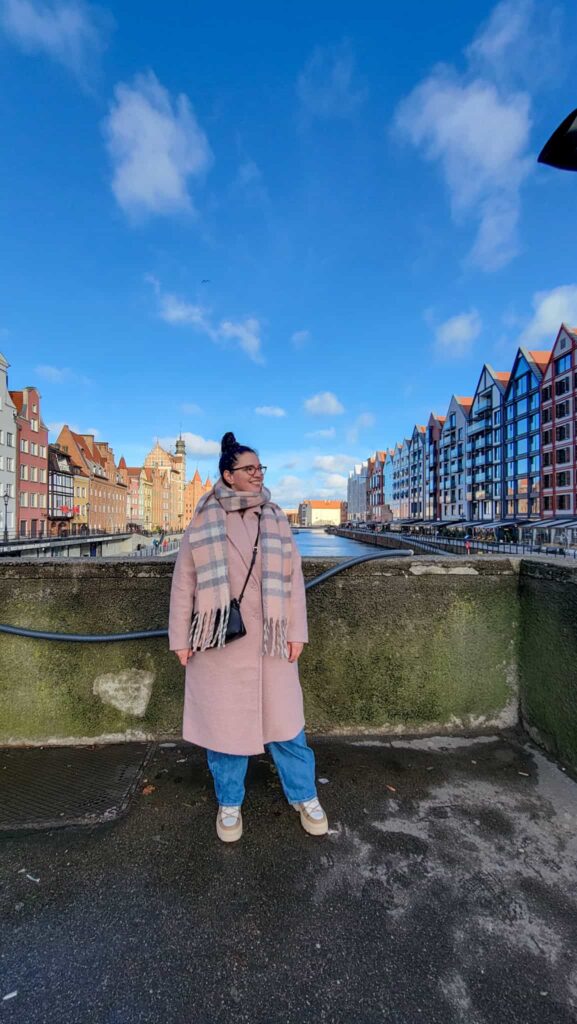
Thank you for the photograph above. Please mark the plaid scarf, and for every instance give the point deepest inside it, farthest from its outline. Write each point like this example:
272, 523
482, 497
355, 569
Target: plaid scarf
209, 551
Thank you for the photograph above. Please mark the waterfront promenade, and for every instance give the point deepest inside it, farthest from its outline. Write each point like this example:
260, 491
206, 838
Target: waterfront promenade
444, 893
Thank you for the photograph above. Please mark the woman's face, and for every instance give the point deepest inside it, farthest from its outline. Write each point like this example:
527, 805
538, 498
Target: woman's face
246, 474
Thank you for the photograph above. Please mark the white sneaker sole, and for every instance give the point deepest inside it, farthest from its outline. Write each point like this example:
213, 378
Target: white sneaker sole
313, 828
231, 834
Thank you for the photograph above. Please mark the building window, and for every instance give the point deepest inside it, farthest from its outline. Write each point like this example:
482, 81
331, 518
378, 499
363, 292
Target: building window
547, 436
24, 445
563, 433
546, 393
563, 502
563, 409
563, 456
563, 479
563, 386
563, 364
10, 439
547, 415
547, 481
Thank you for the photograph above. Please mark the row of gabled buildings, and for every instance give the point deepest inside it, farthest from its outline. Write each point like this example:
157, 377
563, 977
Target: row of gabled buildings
505, 455
75, 485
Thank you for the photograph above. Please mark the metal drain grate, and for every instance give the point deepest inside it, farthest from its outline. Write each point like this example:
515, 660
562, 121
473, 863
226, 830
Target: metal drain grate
53, 787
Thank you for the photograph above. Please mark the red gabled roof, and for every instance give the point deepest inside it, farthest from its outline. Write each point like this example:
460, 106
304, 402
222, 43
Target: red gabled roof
541, 359
18, 399
503, 377
465, 403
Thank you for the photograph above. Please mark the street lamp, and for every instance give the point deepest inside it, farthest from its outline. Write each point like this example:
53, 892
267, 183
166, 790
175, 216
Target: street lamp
6, 499
87, 511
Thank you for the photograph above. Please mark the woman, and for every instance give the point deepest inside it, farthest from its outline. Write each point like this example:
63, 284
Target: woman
243, 697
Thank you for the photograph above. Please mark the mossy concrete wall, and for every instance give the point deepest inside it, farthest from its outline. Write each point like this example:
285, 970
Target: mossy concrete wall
548, 656
398, 645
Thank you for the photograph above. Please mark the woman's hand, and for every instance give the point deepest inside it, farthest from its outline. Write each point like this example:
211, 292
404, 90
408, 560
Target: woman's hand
184, 656
295, 650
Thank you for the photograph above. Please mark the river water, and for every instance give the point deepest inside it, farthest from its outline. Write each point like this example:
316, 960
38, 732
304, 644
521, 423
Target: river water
318, 544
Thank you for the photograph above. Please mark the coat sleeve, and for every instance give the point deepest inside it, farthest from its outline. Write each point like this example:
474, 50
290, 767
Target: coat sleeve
182, 593
297, 624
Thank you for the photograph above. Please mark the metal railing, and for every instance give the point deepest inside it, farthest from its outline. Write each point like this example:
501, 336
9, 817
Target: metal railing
147, 634
473, 546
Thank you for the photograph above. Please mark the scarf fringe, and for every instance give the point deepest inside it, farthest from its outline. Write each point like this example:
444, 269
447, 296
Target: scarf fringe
275, 638
209, 629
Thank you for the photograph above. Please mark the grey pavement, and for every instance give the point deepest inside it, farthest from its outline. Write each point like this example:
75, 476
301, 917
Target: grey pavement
445, 892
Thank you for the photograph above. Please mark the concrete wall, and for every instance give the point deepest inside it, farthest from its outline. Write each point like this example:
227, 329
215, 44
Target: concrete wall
548, 657
402, 645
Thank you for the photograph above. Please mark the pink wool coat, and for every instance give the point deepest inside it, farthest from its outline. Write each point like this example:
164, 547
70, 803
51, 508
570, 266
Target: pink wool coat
237, 699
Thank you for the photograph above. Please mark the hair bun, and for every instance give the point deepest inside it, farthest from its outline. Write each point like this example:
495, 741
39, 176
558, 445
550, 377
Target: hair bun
229, 442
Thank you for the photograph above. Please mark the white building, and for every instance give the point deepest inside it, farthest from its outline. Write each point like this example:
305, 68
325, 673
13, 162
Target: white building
357, 488
321, 513
7, 455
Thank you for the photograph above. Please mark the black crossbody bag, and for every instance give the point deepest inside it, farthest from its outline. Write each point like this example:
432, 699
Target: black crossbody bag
236, 628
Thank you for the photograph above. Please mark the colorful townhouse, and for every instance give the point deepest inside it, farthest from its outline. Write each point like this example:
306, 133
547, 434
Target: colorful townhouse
193, 492
31, 465
388, 482
452, 443
558, 428
432, 511
417, 463
7, 457
521, 433
104, 508
484, 450
169, 482
61, 502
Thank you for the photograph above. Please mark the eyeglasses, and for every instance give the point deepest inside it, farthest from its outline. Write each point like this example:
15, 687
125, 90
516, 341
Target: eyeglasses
251, 470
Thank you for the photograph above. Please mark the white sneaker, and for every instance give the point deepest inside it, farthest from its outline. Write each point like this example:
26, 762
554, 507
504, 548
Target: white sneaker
229, 824
313, 818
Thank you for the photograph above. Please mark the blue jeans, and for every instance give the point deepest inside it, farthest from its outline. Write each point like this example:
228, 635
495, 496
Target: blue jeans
295, 763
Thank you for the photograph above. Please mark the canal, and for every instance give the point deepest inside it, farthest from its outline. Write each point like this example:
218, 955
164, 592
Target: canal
318, 544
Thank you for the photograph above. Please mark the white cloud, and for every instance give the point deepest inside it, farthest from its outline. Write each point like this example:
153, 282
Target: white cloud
246, 333
551, 309
362, 422
476, 126
520, 41
191, 409
300, 338
69, 31
289, 491
178, 312
156, 146
59, 374
329, 432
324, 404
454, 338
326, 86
195, 445
334, 463
270, 410
336, 481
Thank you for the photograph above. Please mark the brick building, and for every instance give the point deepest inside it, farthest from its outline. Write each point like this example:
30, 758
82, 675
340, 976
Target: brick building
31, 464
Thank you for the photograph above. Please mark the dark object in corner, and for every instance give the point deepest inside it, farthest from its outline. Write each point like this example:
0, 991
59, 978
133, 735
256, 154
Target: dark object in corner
561, 149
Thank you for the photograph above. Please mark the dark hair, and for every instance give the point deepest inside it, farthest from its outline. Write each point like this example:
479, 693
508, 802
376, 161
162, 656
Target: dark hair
230, 449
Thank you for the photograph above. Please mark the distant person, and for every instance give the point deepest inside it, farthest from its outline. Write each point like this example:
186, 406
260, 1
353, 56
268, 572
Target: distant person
468, 544
245, 697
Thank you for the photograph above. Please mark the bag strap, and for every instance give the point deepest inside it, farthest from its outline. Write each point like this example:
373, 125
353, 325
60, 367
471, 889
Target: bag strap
253, 560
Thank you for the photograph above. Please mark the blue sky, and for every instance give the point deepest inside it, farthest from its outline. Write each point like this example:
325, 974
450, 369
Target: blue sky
308, 224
